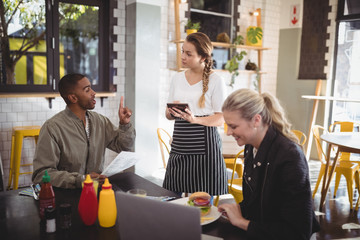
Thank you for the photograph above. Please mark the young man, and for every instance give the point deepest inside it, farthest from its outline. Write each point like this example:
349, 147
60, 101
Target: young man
72, 143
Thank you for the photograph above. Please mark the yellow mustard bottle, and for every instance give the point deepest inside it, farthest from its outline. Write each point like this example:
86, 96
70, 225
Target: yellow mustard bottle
107, 205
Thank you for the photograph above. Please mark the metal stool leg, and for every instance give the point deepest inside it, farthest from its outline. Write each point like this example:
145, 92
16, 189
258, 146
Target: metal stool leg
19, 133
11, 171
17, 157
357, 182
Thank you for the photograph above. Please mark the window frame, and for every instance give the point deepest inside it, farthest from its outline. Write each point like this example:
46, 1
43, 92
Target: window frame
105, 56
340, 17
234, 28
233, 16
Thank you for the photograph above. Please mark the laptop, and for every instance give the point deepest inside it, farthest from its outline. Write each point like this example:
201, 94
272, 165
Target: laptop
144, 218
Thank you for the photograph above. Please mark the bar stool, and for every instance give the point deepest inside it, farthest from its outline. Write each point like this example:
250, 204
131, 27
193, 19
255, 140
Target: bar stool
18, 134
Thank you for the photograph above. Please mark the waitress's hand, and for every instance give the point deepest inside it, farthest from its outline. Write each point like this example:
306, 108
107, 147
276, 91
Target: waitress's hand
187, 115
233, 213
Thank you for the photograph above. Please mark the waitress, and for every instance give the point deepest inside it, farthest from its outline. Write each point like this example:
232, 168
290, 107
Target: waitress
195, 161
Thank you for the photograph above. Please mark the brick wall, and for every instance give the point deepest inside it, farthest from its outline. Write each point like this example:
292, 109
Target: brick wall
270, 24
35, 111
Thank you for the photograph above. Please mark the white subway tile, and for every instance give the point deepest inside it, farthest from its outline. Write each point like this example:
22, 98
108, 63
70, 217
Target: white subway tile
6, 145
11, 117
117, 13
3, 136
2, 117
22, 116
11, 100
6, 107
6, 126
117, 30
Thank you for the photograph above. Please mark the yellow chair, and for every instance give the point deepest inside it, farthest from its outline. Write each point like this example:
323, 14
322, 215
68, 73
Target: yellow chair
239, 168
344, 126
235, 184
165, 142
301, 136
18, 134
349, 170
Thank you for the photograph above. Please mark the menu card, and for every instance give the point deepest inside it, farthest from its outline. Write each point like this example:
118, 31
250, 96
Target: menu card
122, 161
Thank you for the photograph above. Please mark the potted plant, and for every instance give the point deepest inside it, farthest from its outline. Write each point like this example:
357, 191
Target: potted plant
232, 65
192, 27
253, 67
254, 36
223, 37
239, 40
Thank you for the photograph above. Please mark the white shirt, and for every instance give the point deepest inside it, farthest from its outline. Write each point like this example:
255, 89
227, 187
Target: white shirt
182, 91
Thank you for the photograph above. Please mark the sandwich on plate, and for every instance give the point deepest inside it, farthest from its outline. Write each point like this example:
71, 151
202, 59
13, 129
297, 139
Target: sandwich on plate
201, 200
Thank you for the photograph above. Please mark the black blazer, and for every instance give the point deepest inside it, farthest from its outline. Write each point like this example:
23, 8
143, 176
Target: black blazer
276, 189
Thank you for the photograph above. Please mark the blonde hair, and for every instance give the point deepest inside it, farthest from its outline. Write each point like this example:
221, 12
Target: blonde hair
204, 48
249, 102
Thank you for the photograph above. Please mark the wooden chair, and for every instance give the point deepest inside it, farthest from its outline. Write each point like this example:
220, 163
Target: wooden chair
349, 170
301, 136
164, 139
235, 184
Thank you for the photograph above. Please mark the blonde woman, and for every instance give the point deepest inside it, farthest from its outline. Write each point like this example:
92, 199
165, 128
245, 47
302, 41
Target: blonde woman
276, 188
195, 161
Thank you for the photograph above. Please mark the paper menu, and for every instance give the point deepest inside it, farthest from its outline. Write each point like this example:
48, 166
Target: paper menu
122, 161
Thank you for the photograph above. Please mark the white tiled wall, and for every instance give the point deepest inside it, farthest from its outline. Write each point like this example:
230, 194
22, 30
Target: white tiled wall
22, 112
270, 23
35, 111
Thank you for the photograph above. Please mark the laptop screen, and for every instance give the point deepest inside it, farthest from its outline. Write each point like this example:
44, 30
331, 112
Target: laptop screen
144, 218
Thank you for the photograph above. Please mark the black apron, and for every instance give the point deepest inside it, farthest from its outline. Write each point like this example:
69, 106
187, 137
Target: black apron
195, 162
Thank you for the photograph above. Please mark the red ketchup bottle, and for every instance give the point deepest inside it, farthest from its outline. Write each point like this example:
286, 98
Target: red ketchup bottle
88, 204
46, 195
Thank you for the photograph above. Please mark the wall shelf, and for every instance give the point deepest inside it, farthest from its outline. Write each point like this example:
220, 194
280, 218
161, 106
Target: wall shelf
51, 95
226, 45
229, 45
178, 41
222, 70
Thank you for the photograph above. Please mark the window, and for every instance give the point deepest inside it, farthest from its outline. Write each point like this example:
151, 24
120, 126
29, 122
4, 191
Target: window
347, 62
50, 38
216, 17
351, 7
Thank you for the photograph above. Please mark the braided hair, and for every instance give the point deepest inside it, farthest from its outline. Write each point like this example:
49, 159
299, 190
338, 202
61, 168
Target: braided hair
204, 48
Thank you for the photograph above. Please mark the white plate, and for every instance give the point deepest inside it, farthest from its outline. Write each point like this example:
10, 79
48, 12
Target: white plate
213, 215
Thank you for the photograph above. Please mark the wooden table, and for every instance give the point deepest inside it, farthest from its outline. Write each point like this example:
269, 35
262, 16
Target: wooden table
20, 215
316, 99
346, 142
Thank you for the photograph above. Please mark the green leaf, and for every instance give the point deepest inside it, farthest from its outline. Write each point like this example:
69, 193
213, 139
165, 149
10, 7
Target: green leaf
196, 26
191, 25
254, 34
239, 40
